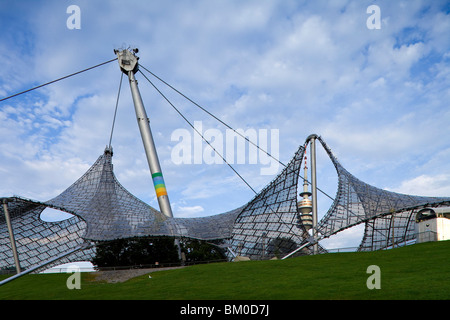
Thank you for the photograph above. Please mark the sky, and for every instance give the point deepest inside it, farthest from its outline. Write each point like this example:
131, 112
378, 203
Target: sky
375, 85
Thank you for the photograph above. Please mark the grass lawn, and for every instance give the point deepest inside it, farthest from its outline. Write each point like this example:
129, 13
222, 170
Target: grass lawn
420, 271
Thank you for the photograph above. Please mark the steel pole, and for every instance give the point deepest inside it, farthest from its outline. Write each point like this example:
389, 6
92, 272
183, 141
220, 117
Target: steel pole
314, 190
11, 236
149, 146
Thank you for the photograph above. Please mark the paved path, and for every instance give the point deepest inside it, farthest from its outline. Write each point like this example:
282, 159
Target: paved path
115, 276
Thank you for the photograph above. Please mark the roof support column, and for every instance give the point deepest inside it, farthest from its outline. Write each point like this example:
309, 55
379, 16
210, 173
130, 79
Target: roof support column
11, 235
314, 191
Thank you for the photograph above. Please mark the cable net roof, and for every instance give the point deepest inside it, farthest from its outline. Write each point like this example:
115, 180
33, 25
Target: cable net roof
266, 226
112, 212
389, 217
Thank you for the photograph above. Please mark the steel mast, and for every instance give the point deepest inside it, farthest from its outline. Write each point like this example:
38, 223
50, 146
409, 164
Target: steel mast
128, 62
313, 138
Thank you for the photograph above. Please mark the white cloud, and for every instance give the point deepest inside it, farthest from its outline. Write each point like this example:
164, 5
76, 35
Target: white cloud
349, 238
426, 185
378, 97
186, 212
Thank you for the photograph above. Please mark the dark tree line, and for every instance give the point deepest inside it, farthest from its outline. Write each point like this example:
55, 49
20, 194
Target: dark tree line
151, 250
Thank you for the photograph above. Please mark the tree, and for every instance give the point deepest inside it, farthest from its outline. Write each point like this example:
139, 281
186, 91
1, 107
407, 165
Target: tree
136, 251
148, 250
198, 250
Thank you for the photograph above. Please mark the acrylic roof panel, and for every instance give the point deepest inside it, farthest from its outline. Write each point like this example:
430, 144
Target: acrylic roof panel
104, 210
111, 212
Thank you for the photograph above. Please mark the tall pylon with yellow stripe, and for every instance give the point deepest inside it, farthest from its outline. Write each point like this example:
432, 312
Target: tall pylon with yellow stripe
128, 63
160, 186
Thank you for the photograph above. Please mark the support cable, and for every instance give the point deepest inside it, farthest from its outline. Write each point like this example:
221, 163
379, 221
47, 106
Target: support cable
115, 111
210, 114
195, 129
59, 79
177, 91
225, 124
192, 126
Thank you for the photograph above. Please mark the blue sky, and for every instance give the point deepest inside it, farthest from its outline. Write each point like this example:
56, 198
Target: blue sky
378, 97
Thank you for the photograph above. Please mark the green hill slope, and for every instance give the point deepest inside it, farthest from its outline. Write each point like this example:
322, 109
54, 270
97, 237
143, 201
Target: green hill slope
420, 271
